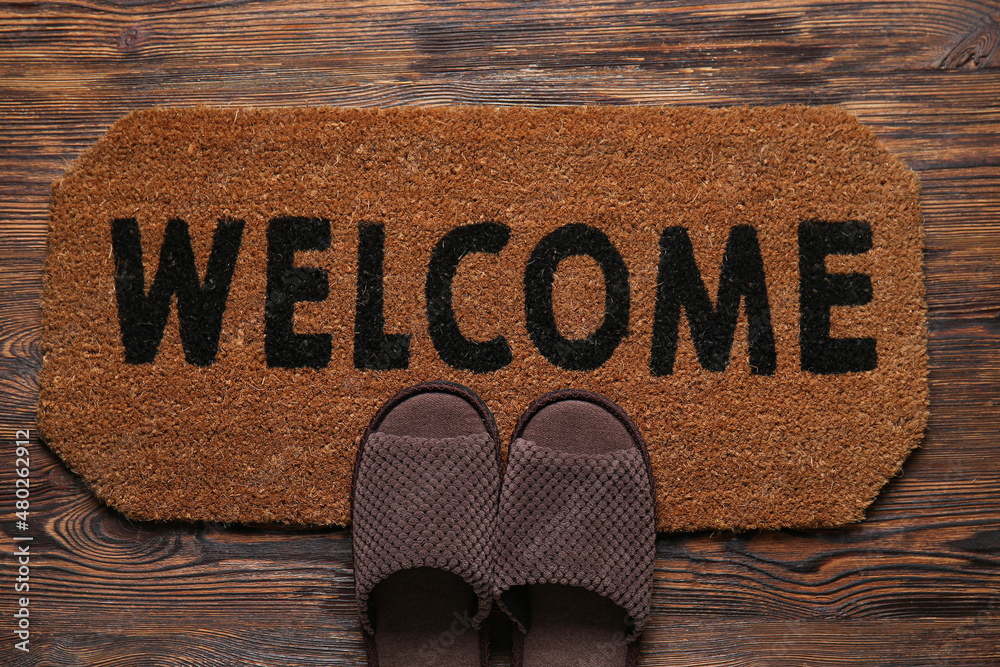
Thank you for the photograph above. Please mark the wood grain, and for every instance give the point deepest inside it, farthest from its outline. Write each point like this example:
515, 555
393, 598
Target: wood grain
917, 583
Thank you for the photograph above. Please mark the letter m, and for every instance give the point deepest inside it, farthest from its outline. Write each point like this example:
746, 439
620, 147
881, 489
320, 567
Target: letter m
712, 327
143, 317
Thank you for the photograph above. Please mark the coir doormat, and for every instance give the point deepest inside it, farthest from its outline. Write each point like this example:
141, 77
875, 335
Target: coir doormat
230, 294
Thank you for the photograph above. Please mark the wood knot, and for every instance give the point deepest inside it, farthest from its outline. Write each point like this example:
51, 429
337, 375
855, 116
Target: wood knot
976, 48
129, 39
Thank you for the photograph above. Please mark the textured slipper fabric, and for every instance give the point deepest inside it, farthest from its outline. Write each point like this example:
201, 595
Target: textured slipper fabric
576, 518
425, 503
434, 506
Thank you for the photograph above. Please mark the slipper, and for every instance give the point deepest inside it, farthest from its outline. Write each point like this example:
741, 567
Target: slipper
576, 534
423, 516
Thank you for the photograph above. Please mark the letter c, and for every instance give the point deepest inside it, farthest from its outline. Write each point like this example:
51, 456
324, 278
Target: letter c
455, 349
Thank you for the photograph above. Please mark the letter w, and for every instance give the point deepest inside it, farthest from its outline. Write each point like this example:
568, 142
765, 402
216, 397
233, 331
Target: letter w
712, 328
199, 305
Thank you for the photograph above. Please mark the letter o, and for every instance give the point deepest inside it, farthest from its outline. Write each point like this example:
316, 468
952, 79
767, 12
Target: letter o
592, 351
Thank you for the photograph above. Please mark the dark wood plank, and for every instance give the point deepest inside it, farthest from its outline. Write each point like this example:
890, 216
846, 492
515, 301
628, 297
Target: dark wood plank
917, 583
971, 643
374, 40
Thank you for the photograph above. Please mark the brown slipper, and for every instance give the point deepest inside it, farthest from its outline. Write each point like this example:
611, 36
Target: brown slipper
423, 516
576, 533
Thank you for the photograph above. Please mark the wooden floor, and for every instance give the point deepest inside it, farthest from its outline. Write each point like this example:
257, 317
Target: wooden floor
918, 583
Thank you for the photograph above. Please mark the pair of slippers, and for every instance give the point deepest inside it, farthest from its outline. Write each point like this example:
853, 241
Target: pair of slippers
564, 542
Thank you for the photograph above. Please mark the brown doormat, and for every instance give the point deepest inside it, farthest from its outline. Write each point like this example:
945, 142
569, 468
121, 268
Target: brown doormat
231, 294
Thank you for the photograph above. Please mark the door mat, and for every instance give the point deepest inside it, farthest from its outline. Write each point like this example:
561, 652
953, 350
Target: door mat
230, 294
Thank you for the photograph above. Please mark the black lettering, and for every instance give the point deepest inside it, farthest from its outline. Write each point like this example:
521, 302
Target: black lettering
679, 284
592, 351
200, 306
288, 284
455, 349
373, 348
819, 290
